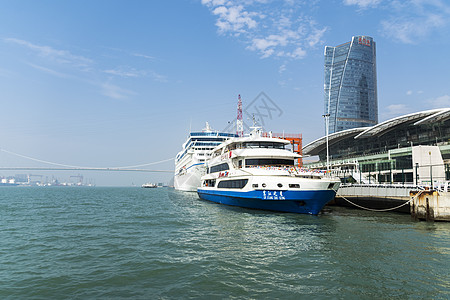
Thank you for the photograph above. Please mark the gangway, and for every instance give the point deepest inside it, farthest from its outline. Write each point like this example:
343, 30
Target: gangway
359, 177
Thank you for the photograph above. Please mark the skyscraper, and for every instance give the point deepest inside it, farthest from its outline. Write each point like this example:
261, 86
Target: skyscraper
350, 85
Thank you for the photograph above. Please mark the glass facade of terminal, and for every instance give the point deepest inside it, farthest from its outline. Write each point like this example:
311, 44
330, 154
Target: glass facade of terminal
404, 135
388, 156
350, 84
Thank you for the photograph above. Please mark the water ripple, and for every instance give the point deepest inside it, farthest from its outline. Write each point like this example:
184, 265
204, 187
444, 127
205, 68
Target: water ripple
115, 243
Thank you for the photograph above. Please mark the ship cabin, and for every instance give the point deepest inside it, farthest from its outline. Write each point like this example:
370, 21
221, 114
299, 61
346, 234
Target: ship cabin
250, 152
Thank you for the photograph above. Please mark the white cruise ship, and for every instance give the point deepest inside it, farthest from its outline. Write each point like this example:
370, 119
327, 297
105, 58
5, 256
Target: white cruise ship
189, 162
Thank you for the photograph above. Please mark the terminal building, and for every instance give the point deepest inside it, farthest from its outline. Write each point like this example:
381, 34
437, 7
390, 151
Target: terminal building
414, 148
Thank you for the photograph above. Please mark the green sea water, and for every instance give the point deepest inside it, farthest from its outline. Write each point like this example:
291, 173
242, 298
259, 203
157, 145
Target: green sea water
134, 243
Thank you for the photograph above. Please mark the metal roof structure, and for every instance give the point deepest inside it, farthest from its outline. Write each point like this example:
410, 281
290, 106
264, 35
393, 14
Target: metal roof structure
388, 125
420, 118
440, 116
318, 145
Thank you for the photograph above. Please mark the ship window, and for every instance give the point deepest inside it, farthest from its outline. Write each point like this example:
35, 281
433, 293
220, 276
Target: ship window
255, 185
294, 185
268, 162
275, 145
209, 182
251, 145
232, 184
278, 145
218, 168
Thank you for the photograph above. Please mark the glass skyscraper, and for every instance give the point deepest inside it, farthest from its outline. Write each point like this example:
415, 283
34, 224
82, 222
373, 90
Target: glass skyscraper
350, 85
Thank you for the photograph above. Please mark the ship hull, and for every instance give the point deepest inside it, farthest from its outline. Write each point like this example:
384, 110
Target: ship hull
303, 202
190, 180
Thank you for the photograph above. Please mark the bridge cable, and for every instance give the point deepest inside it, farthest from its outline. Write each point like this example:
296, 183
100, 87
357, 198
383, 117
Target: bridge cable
79, 167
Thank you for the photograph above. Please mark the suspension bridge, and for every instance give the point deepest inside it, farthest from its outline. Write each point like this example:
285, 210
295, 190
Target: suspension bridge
65, 167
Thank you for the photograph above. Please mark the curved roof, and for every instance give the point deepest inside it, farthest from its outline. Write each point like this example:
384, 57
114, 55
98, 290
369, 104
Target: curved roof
422, 117
442, 115
385, 126
318, 145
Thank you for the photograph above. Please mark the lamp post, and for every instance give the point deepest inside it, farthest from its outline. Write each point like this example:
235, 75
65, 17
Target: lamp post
327, 116
431, 171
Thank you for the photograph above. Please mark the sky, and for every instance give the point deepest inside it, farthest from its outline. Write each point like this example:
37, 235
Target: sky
112, 83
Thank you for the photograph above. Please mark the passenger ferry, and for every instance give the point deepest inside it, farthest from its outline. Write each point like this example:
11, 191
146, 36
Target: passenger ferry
189, 162
258, 172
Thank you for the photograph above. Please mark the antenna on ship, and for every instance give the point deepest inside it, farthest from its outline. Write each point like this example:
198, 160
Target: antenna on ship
239, 122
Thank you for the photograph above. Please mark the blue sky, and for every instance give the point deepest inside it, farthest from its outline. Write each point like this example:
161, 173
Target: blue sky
119, 83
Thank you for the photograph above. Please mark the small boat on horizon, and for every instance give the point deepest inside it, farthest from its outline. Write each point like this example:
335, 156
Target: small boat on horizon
149, 185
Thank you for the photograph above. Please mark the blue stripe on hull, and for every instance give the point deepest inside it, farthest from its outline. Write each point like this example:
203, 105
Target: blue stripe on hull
303, 202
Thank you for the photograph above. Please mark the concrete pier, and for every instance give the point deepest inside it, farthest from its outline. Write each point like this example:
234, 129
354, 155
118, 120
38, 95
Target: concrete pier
381, 197
422, 203
430, 205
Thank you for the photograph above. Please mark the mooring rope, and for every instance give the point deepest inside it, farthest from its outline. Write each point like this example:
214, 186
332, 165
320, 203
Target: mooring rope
386, 209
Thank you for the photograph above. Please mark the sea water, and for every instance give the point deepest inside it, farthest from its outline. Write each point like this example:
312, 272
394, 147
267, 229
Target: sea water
109, 243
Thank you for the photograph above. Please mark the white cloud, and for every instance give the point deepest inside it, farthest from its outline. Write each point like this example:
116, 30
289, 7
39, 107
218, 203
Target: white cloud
125, 73
115, 92
298, 53
49, 71
440, 102
409, 93
213, 2
59, 56
362, 3
266, 45
410, 29
395, 110
54, 60
133, 73
411, 21
281, 32
407, 21
144, 56
234, 18
158, 77
315, 37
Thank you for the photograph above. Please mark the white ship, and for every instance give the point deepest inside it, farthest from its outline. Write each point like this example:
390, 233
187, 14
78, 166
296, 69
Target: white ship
149, 185
189, 162
259, 172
